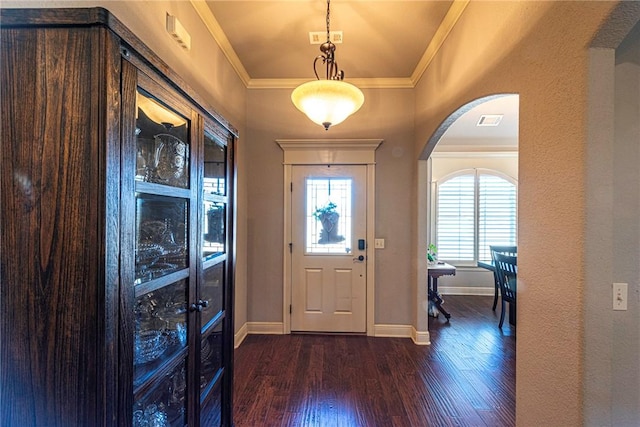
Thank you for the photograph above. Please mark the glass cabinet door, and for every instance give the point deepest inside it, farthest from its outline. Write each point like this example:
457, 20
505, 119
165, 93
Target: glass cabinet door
161, 142
214, 319
163, 203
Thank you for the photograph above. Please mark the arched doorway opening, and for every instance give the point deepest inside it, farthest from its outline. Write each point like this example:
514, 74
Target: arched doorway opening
480, 134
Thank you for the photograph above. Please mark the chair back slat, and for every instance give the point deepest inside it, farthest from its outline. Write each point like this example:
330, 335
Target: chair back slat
509, 250
507, 271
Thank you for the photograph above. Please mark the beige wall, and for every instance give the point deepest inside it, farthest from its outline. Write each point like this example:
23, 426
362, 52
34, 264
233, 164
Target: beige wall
545, 60
612, 338
386, 114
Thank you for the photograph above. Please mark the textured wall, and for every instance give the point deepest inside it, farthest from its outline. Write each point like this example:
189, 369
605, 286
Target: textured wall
538, 50
612, 338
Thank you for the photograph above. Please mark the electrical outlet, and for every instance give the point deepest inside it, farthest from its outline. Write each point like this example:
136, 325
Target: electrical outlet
620, 296
378, 243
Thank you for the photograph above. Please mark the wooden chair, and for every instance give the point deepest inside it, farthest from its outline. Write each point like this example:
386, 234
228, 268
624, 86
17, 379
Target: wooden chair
507, 271
508, 250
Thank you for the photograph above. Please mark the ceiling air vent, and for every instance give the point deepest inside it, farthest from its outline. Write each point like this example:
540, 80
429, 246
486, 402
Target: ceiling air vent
319, 37
489, 120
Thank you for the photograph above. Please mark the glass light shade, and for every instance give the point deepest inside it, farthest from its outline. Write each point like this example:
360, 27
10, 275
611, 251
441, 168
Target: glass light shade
157, 112
327, 102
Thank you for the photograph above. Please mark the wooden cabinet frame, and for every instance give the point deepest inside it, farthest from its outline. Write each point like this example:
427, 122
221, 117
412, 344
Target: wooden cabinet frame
68, 217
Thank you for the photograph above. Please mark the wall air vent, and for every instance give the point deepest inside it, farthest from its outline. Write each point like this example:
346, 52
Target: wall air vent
489, 120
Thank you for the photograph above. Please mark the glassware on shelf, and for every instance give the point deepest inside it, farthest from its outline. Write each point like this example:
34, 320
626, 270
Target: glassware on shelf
171, 160
160, 328
151, 416
164, 404
160, 236
162, 153
149, 345
163, 160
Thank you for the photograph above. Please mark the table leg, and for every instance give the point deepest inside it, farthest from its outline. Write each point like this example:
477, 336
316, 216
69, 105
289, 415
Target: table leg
434, 296
512, 313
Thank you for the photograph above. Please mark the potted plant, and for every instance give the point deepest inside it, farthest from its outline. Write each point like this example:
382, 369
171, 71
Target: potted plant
432, 253
328, 217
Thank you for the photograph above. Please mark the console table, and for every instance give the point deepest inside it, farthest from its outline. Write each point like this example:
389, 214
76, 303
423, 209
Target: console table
435, 271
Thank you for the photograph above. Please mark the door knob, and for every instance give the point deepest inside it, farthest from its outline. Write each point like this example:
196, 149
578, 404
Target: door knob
359, 258
199, 305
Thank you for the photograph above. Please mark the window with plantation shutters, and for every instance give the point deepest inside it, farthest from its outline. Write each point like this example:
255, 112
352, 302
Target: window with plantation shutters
474, 209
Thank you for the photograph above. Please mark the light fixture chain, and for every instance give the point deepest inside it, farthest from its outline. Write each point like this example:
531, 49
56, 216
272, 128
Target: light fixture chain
328, 12
324, 102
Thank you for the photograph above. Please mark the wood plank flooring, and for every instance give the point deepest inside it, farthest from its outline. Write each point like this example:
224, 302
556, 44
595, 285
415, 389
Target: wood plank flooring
466, 377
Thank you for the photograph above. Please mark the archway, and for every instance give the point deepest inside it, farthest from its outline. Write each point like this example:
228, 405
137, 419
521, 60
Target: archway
467, 140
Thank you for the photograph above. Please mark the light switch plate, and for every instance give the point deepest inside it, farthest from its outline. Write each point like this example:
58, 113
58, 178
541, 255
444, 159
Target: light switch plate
620, 296
378, 243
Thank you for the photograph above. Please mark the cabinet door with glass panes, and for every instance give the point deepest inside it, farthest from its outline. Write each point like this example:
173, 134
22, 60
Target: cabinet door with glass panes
161, 214
215, 289
163, 279
177, 218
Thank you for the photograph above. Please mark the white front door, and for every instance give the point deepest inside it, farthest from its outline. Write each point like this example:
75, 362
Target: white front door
328, 218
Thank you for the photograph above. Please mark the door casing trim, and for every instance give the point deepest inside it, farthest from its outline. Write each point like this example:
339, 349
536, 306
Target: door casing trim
329, 152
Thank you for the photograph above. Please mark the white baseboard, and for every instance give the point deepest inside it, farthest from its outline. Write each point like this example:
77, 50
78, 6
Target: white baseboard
265, 328
277, 328
258, 328
403, 331
393, 331
466, 290
420, 337
240, 336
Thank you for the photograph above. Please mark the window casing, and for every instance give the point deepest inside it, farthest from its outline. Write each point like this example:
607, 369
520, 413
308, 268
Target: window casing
475, 208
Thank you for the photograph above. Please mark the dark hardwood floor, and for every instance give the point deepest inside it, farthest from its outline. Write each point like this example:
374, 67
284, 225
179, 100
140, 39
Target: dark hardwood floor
466, 377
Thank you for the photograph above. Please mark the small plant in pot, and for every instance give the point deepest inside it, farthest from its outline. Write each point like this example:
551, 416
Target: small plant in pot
432, 254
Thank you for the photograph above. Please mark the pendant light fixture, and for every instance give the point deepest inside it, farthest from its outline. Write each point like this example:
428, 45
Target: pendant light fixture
327, 102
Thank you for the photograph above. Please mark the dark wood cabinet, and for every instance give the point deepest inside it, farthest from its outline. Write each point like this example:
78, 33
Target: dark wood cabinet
116, 271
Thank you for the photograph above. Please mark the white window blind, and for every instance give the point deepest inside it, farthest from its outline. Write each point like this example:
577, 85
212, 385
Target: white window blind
456, 218
474, 210
496, 214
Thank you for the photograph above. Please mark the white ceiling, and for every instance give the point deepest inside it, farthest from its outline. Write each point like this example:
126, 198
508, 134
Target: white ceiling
385, 44
465, 135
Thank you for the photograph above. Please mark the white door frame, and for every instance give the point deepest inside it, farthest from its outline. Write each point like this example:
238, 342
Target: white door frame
329, 152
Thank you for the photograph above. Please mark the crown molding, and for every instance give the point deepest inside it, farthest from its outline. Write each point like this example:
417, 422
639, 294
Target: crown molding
449, 21
377, 83
220, 37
